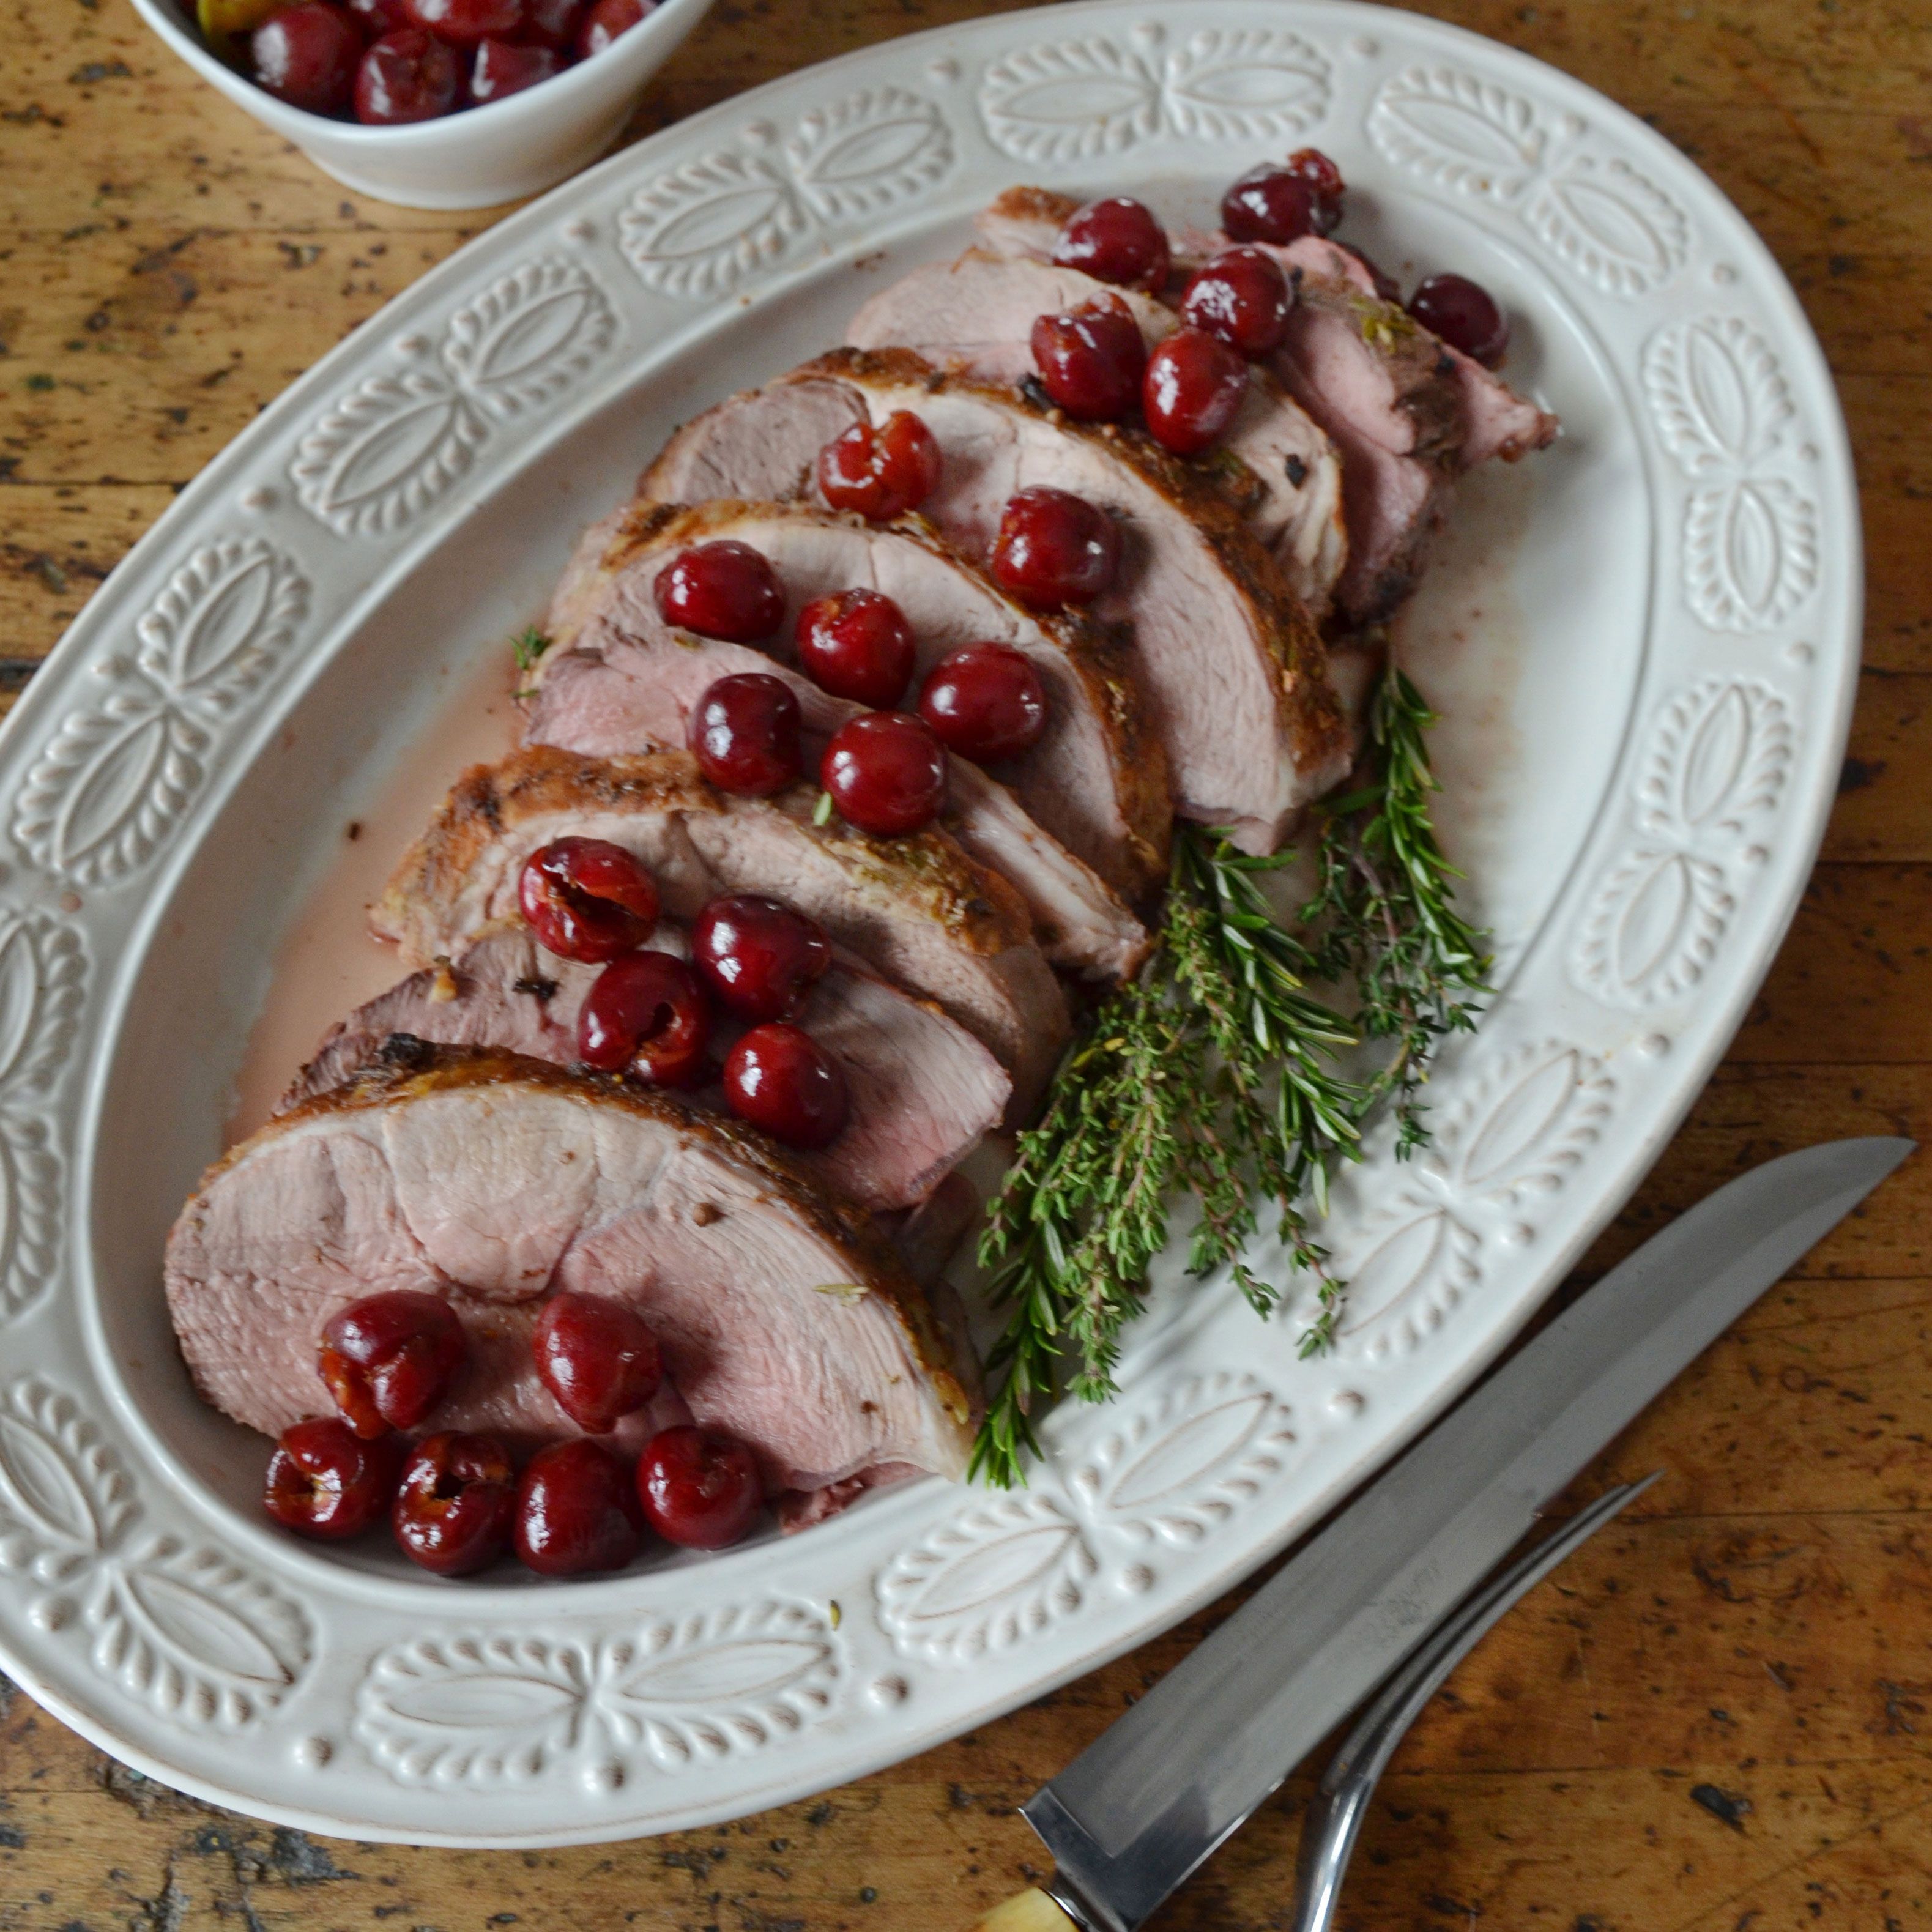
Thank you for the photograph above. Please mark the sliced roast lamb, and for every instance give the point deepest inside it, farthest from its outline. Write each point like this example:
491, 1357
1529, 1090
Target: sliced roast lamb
923, 1090
1090, 820
975, 316
495, 1181
1223, 650
917, 909
1407, 412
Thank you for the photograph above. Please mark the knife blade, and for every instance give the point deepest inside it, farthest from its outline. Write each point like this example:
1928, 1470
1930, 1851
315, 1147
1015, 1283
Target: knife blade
1148, 1800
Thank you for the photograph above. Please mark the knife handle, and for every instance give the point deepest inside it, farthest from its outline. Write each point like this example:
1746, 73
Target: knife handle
1029, 1911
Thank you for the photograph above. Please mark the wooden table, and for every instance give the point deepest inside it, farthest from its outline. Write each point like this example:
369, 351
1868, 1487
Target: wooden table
1719, 1716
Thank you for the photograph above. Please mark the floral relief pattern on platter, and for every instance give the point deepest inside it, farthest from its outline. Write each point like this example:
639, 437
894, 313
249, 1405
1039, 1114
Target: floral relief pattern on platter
1072, 101
484, 1709
383, 453
1598, 215
1526, 1124
116, 778
1717, 764
697, 231
1722, 407
187, 1629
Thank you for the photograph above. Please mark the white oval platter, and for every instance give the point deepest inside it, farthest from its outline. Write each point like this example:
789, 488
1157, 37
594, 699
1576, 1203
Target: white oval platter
1645, 640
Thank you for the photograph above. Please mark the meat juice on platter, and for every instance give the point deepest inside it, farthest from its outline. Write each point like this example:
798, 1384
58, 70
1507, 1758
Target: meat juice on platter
833, 797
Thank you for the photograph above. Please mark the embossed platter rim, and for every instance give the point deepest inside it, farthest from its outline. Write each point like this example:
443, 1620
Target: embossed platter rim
181, 1635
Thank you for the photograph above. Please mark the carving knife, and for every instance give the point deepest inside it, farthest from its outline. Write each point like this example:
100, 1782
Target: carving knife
1144, 1805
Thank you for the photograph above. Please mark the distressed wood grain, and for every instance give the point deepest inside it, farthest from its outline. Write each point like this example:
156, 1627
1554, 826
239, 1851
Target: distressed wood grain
1716, 1717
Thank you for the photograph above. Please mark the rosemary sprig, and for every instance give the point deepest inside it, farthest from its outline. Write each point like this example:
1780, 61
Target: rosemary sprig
1213, 1071
1384, 904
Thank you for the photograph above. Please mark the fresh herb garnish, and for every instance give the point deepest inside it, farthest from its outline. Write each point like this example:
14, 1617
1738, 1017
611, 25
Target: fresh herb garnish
528, 647
1214, 1071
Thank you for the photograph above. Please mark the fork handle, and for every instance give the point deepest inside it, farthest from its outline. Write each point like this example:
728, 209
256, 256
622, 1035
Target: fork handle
1029, 1911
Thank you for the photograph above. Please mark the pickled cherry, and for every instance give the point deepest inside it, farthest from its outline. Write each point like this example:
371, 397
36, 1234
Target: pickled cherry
985, 702
307, 54
455, 1504
389, 1359
744, 733
723, 589
502, 68
1242, 297
406, 76
605, 21
1116, 240
1465, 315
880, 471
760, 957
646, 1014
597, 1357
577, 1510
587, 899
1090, 359
886, 771
779, 1079
857, 644
1194, 385
325, 1481
465, 23
698, 1487
1054, 549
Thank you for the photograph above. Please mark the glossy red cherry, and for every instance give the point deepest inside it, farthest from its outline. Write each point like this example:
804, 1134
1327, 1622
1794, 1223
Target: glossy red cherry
646, 1014
307, 54
744, 733
1242, 297
1090, 359
721, 590
1465, 315
389, 1359
856, 644
553, 23
597, 1357
1195, 384
1281, 202
455, 1504
886, 772
1055, 549
407, 76
881, 473
501, 68
779, 1079
464, 22
1117, 241
699, 1487
587, 899
1325, 178
606, 20
985, 702
760, 957
325, 1481
577, 1510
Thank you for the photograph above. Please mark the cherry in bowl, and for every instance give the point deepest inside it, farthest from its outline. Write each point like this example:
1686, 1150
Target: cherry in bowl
307, 54
760, 957
744, 733
466, 22
880, 472
597, 1357
724, 589
856, 644
1090, 359
326, 1481
577, 1511
406, 76
698, 1487
587, 899
646, 1014
605, 21
985, 701
455, 1504
502, 68
886, 771
778, 1079
389, 1359
1055, 549
1116, 240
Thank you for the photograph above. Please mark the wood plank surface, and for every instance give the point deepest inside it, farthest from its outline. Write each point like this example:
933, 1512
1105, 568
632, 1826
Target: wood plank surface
1716, 1717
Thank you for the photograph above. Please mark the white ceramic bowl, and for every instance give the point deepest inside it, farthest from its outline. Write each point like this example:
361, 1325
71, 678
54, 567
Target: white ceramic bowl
476, 159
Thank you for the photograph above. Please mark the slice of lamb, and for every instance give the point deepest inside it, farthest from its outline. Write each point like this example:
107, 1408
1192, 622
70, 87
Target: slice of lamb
1224, 652
1091, 815
496, 1180
924, 1091
915, 909
975, 316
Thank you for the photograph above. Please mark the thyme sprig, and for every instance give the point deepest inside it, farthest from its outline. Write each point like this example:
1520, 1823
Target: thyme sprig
1213, 1072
